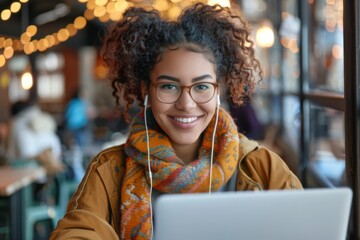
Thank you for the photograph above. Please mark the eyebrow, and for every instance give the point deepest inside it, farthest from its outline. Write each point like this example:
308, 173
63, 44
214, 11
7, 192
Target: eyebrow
197, 79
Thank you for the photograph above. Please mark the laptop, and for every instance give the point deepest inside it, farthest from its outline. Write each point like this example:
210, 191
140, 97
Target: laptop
311, 214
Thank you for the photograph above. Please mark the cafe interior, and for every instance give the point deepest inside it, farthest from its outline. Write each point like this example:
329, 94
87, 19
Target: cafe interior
306, 108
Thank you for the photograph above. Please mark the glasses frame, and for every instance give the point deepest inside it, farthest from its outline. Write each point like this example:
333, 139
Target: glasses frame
188, 87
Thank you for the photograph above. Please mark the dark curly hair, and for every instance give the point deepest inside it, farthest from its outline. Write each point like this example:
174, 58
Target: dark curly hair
135, 44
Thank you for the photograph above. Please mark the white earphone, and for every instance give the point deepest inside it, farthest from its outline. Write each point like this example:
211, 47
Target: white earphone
146, 100
213, 140
149, 168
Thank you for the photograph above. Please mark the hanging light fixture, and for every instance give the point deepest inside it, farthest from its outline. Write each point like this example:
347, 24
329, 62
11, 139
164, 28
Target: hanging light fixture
27, 80
265, 35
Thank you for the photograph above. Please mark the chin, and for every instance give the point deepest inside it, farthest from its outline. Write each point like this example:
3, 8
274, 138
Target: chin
184, 140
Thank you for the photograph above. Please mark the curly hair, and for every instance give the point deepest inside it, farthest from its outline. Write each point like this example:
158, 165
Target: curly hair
135, 44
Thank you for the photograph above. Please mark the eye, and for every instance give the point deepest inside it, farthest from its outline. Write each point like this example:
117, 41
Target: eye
168, 86
201, 87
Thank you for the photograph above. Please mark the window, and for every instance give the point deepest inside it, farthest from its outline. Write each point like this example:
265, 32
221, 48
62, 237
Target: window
51, 82
318, 42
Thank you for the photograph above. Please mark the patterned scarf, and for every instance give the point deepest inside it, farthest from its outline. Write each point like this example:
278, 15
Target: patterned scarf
169, 174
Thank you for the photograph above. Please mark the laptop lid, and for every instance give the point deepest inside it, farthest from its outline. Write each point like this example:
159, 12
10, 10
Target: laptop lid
310, 214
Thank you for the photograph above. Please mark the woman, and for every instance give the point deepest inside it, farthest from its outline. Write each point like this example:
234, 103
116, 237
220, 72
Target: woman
191, 143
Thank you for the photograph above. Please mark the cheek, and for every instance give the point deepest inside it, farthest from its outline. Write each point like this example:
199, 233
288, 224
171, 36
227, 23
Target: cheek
210, 110
210, 107
157, 107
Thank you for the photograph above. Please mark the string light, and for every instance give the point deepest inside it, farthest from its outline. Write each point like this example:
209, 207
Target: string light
14, 8
29, 46
104, 10
111, 10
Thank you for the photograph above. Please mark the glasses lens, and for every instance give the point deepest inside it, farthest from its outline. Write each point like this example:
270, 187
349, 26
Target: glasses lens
168, 92
171, 92
202, 92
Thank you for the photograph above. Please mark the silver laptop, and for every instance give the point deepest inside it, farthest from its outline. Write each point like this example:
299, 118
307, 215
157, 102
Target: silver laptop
311, 214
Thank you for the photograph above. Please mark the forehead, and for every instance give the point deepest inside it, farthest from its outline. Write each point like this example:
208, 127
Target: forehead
183, 64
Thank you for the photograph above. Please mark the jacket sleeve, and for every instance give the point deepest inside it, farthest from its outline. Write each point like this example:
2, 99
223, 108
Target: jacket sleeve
82, 224
269, 170
91, 212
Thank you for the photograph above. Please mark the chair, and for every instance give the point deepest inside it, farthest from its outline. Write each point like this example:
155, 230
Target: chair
33, 210
62, 189
65, 189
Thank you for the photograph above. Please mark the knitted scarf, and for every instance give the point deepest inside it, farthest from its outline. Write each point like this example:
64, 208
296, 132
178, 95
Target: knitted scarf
169, 173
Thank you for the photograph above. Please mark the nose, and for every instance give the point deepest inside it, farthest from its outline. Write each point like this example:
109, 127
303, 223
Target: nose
185, 101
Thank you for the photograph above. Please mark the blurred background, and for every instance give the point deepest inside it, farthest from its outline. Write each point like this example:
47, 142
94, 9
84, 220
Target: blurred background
305, 108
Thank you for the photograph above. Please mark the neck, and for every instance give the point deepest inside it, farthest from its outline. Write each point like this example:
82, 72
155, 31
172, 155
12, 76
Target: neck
187, 153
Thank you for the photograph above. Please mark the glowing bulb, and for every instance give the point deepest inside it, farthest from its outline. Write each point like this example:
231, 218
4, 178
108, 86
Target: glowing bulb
8, 42
15, 7
8, 52
265, 37
25, 38
101, 2
2, 60
89, 15
5, 14
223, 3
174, 12
31, 30
71, 29
120, 6
80, 23
99, 11
27, 80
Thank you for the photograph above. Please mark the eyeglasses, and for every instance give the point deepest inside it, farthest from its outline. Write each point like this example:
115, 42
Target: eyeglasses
170, 92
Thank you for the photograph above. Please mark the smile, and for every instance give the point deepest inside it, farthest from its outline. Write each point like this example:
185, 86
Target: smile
186, 120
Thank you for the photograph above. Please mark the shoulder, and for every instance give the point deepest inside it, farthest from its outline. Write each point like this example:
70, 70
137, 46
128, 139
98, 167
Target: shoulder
83, 225
98, 194
102, 178
109, 164
267, 168
114, 154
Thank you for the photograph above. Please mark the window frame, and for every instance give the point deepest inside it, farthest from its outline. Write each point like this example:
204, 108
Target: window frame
348, 102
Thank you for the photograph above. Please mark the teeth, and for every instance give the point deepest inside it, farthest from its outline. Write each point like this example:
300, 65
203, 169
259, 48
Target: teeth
186, 120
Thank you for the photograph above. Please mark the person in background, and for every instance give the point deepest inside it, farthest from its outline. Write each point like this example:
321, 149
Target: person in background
76, 119
183, 141
33, 139
246, 121
32, 136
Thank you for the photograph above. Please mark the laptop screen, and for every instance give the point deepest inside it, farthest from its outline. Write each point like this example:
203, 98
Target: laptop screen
310, 214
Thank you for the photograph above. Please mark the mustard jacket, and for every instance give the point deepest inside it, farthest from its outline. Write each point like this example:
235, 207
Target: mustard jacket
94, 210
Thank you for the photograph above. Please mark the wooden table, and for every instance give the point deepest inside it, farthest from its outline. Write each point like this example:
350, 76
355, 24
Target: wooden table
13, 180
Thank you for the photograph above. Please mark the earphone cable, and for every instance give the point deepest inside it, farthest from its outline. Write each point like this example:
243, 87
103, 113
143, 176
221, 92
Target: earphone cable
149, 168
213, 143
